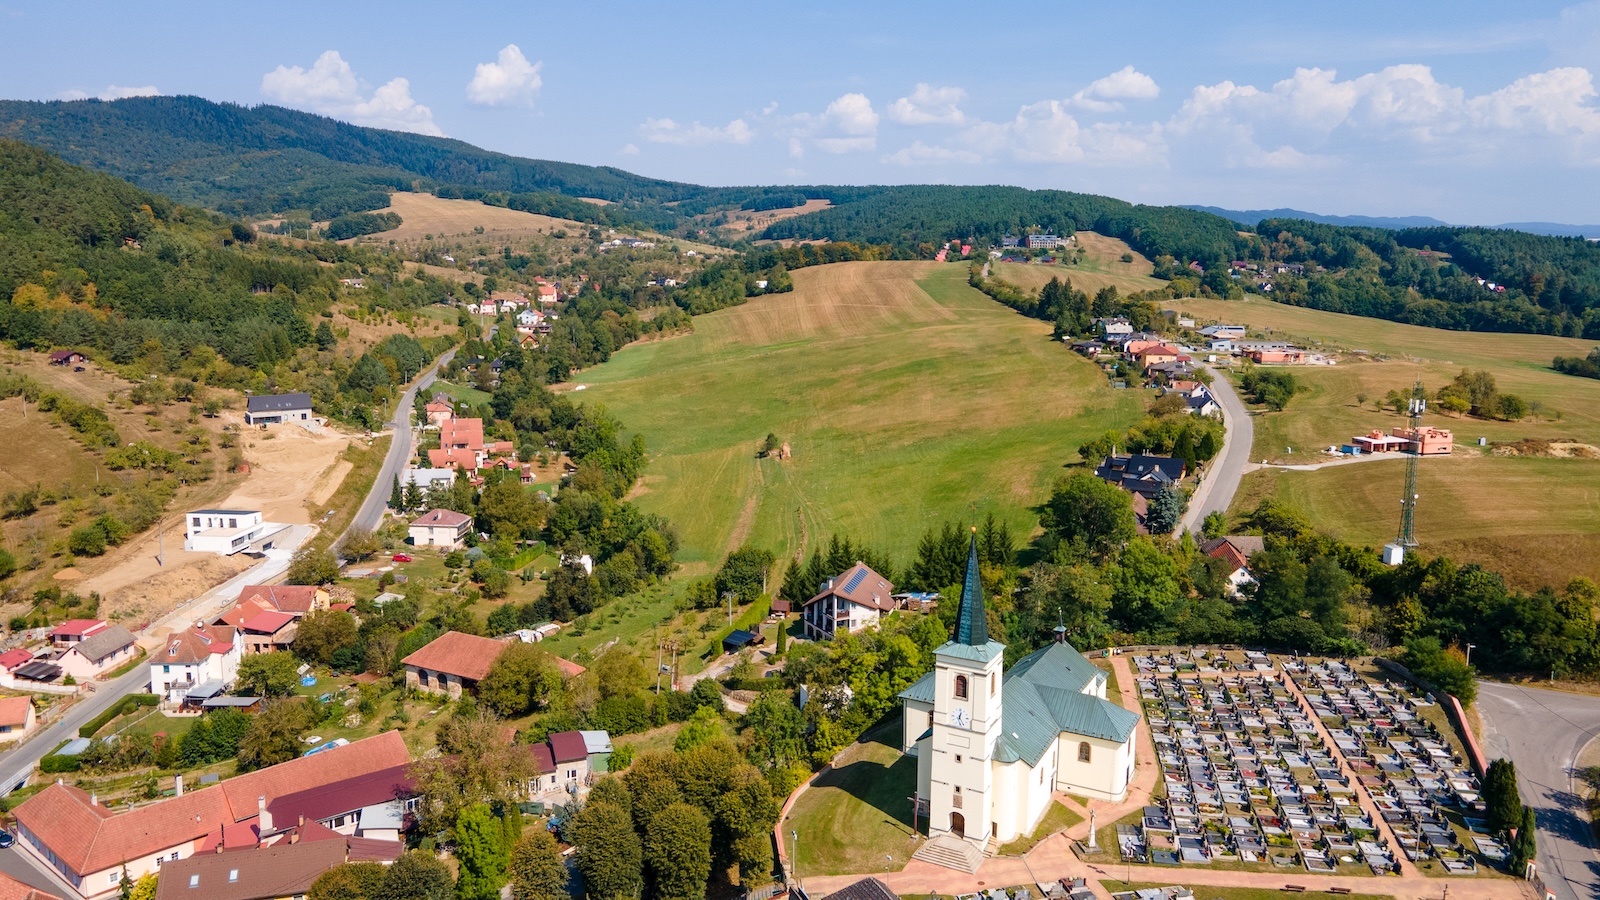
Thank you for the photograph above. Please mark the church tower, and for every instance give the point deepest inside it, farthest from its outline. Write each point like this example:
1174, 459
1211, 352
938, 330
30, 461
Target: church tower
966, 720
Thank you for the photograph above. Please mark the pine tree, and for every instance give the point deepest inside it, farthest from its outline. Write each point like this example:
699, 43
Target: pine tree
1503, 806
1165, 511
782, 643
396, 499
1525, 847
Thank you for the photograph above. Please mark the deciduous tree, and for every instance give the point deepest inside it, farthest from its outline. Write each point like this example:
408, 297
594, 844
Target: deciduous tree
537, 870
271, 674
608, 851
677, 848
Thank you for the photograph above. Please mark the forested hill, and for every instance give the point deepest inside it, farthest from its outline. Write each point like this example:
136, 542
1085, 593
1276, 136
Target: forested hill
154, 288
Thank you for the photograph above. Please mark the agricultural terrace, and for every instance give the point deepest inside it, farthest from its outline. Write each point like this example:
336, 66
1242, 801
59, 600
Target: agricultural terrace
907, 397
1100, 267
1477, 506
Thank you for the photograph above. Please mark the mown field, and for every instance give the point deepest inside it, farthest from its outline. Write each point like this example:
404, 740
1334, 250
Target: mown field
908, 399
1102, 266
1537, 520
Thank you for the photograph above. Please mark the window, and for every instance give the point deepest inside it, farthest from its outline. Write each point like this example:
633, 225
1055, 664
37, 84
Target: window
958, 758
572, 773
166, 669
338, 821
233, 875
174, 856
930, 718
194, 881
1083, 751
111, 878
991, 684
961, 687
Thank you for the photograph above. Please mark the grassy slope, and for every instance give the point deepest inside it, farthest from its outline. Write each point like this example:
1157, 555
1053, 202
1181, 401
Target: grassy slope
907, 402
860, 812
1102, 266
1475, 508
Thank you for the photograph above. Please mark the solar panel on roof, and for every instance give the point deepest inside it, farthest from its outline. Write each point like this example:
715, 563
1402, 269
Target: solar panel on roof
855, 580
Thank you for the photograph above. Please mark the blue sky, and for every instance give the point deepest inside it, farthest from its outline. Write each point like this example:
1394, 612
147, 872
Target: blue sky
1472, 112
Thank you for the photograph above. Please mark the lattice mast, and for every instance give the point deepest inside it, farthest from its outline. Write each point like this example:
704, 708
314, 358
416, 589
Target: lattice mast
1408, 501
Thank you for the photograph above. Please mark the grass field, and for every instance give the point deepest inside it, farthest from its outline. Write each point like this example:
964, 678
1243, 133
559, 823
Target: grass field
908, 399
859, 812
425, 214
1102, 265
1473, 507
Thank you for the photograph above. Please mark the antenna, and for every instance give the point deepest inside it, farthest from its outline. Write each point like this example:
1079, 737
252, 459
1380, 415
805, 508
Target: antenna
1408, 501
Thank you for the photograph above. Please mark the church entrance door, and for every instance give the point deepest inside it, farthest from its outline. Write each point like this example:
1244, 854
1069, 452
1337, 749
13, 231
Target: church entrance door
958, 825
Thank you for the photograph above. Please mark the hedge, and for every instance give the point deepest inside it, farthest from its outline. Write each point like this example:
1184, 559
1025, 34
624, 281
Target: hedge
748, 620
53, 764
128, 705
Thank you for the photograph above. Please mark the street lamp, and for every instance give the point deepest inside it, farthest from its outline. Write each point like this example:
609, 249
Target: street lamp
1469, 653
794, 837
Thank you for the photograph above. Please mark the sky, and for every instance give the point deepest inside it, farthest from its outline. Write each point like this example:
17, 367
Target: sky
1472, 112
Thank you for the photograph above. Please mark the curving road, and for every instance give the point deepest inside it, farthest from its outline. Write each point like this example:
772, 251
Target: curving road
1215, 492
1544, 732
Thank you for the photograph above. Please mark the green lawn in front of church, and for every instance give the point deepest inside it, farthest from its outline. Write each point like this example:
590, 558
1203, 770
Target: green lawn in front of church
857, 816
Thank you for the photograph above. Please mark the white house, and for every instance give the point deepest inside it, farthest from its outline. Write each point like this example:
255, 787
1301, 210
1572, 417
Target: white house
1235, 551
530, 318
273, 409
440, 528
853, 601
428, 478
993, 745
227, 531
1114, 325
199, 657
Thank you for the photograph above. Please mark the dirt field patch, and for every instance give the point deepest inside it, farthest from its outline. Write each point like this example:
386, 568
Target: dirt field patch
1102, 267
424, 214
1554, 449
288, 466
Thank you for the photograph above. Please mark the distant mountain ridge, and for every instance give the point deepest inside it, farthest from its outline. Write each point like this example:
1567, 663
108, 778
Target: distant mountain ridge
1251, 217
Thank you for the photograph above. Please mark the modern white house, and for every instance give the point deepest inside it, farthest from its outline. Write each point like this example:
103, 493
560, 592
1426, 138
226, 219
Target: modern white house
227, 531
855, 600
440, 528
992, 746
425, 479
273, 409
201, 658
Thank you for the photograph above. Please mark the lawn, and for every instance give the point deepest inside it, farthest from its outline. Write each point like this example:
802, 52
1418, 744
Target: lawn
1056, 818
462, 393
907, 397
1473, 507
859, 812
1102, 266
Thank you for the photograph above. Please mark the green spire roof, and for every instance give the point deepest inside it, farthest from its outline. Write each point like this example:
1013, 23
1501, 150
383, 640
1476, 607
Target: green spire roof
972, 628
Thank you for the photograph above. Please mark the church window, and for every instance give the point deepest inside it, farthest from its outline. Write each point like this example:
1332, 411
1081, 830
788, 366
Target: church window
930, 718
1083, 751
991, 684
961, 687
958, 758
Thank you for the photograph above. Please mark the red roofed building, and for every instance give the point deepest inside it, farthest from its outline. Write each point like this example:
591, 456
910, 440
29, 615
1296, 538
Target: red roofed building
851, 602
16, 718
90, 847
567, 761
11, 659
74, 630
440, 528
12, 889
202, 655
455, 662
438, 411
299, 599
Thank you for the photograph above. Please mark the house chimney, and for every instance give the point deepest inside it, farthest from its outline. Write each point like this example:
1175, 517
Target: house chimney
263, 818
294, 837
177, 786
94, 798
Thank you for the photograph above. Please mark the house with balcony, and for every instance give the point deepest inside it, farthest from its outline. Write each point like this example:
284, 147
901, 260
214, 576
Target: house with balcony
202, 660
855, 600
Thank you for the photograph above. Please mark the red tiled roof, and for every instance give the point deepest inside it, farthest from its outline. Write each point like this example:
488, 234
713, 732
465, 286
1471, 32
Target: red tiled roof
12, 658
12, 889
463, 433
543, 761
196, 644
374, 850
87, 838
569, 669
454, 653
862, 586
311, 831
283, 870
267, 622
367, 790
78, 628
244, 835
441, 518
450, 459
295, 598
14, 710
567, 746
438, 406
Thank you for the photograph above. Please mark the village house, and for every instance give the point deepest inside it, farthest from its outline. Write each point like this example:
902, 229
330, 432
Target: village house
1141, 474
228, 531
299, 600
1279, 357
453, 663
566, 763
287, 870
12, 889
1156, 355
428, 479
266, 617
1200, 403
1236, 551
1377, 442
1113, 325
438, 411
548, 295
1223, 331
994, 746
855, 600
440, 528
16, 720
99, 653
1045, 242
373, 806
1427, 440
203, 659
91, 847
67, 358
275, 409
74, 630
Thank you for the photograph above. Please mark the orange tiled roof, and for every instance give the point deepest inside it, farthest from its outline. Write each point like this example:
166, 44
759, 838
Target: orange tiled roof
454, 653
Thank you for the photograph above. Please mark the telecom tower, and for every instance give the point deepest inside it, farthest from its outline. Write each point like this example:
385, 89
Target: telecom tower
1395, 553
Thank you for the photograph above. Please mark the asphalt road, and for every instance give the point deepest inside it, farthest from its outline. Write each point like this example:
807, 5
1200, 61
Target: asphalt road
370, 515
1215, 493
1543, 732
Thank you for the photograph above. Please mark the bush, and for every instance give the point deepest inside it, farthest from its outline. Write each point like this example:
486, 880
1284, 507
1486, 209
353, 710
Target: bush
53, 764
89, 540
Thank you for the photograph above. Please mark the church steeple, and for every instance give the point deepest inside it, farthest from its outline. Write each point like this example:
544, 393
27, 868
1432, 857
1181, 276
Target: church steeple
972, 628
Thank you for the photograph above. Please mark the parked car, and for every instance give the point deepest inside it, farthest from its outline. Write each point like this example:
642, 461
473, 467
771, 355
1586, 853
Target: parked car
75, 369
6, 839
402, 557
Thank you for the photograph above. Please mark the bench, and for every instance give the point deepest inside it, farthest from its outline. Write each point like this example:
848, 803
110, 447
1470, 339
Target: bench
1338, 890
1294, 889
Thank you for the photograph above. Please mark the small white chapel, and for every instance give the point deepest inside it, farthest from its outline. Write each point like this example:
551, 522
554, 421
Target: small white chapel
993, 745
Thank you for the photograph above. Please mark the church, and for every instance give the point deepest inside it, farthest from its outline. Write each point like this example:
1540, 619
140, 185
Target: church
992, 746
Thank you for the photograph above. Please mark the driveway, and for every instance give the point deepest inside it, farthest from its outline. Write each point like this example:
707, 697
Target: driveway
1543, 732
1215, 492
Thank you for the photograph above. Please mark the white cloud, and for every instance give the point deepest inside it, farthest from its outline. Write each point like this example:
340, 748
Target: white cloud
1560, 101
1105, 94
629, 149
922, 154
848, 124
509, 81
330, 87
113, 92
929, 105
1047, 132
667, 131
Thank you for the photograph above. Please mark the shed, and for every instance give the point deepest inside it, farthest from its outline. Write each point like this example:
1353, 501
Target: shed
738, 639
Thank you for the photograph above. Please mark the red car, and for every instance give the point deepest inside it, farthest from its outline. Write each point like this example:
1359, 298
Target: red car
401, 557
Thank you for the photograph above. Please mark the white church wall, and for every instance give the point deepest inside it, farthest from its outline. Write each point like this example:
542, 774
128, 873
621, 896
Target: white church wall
1104, 777
915, 721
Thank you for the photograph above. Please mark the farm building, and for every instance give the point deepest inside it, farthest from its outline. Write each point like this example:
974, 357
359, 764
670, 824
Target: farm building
273, 409
67, 358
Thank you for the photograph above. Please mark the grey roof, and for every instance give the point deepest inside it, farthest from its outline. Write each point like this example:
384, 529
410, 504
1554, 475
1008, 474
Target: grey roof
230, 702
920, 691
205, 690
1044, 697
981, 653
865, 889
1058, 666
104, 643
279, 402
972, 622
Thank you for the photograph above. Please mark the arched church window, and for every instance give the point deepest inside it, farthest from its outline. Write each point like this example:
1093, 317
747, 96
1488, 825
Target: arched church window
961, 687
1083, 751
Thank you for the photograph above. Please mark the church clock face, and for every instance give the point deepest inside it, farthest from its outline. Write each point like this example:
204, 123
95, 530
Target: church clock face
959, 717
